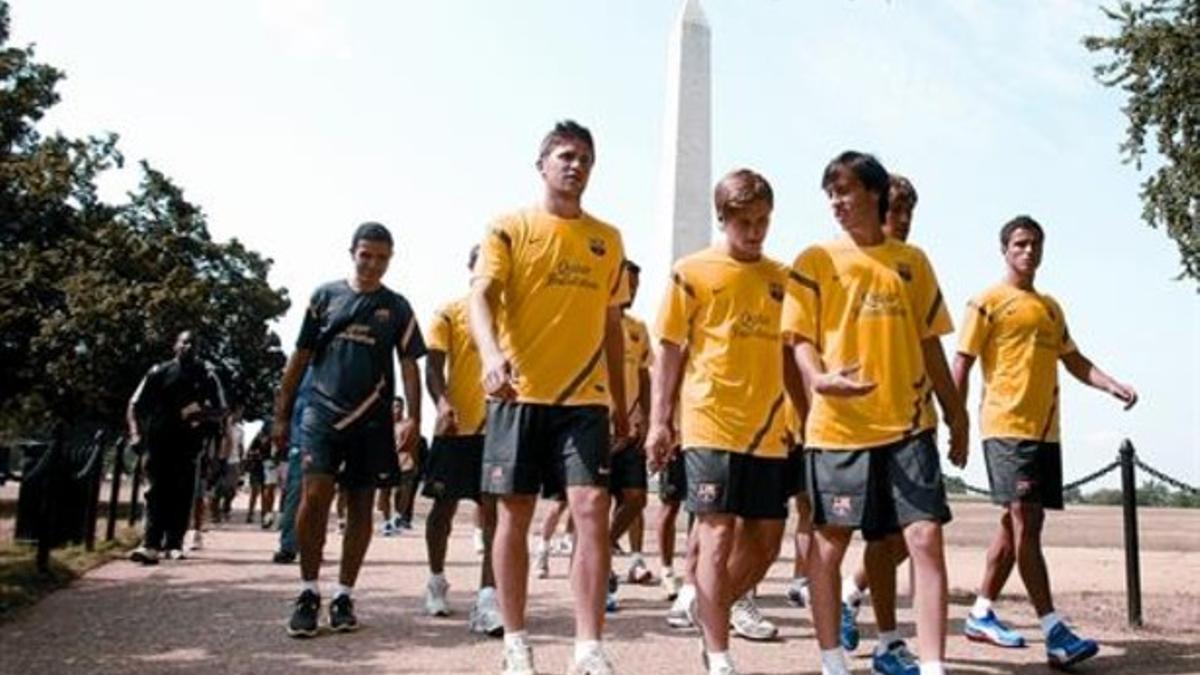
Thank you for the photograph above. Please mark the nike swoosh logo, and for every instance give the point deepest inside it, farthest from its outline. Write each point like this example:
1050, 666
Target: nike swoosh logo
602, 471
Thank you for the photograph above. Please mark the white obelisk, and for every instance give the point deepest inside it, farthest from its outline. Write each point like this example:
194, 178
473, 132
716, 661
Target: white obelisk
686, 188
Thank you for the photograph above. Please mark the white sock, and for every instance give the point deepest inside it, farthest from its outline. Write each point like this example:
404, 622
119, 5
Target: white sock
833, 662
717, 660
440, 577
886, 638
637, 560
310, 586
487, 592
1049, 621
981, 607
687, 591
342, 589
799, 582
543, 545
585, 647
932, 668
513, 638
668, 572
850, 593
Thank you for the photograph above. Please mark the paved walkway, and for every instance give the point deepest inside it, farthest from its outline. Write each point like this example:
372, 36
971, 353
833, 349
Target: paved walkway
223, 610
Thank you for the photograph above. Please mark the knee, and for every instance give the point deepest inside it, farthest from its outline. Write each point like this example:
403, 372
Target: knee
924, 537
588, 505
634, 499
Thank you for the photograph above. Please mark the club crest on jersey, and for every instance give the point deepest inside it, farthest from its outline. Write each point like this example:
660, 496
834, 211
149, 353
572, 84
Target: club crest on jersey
841, 506
596, 245
776, 291
383, 314
904, 270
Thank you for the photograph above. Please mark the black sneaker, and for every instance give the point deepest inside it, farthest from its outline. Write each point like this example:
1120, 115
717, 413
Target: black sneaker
304, 616
284, 557
341, 614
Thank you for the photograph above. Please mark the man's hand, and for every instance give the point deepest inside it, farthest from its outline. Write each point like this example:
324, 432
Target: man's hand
959, 440
406, 437
638, 423
279, 434
660, 442
842, 383
498, 377
1124, 393
447, 418
620, 430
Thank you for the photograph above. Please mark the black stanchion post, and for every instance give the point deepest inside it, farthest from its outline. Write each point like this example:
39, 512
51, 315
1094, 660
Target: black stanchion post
114, 494
1133, 573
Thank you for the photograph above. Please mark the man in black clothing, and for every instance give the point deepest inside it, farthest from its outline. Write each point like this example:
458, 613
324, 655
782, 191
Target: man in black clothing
173, 410
350, 332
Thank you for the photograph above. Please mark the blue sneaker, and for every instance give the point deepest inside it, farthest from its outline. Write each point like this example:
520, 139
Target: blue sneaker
897, 660
1064, 648
991, 629
611, 604
849, 627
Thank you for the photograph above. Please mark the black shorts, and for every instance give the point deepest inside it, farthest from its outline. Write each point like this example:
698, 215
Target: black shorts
628, 470
672, 480
1021, 470
736, 483
358, 456
878, 490
255, 471
797, 472
530, 447
454, 468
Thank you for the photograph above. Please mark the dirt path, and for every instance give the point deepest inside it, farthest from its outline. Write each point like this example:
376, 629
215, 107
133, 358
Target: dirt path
223, 611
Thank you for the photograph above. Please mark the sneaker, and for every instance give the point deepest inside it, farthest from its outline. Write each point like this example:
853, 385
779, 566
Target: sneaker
477, 539
797, 594
304, 616
671, 585
341, 614
249, 518
1064, 648
683, 611
991, 629
403, 524
197, 540
145, 556
595, 663
518, 660
749, 623
268, 521
341, 526
387, 529
897, 660
176, 554
639, 573
485, 615
435, 596
849, 630
284, 557
611, 604
542, 563
618, 552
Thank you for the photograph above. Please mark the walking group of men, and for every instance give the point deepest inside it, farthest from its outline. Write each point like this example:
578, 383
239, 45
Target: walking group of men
814, 382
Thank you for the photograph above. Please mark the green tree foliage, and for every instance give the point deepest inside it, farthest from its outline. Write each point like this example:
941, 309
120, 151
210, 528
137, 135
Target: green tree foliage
1150, 494
91, 293
1156, 61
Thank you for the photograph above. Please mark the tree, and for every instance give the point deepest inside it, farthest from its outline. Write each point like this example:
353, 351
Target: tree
1156, 61
92, 293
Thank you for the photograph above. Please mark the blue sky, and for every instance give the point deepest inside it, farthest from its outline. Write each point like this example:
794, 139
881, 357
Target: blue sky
290, 121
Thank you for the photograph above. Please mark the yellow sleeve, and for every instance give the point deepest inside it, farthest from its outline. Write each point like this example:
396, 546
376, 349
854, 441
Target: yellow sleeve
646, 358
675, 313
929, 304
495, 253
439, 332
802, 300
976, 325
1068, 345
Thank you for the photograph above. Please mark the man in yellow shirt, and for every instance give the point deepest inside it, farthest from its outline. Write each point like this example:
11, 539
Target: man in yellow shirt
454, 470
1020, 335
865, 316
545, 311
722, 309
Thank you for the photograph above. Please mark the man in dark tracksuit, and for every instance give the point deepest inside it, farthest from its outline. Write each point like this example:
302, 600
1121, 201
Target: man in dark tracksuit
173, 410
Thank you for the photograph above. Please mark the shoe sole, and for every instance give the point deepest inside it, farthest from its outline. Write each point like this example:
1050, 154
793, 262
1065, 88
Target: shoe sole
771, 638
302, 633
344, 628
1075, 660
987, 639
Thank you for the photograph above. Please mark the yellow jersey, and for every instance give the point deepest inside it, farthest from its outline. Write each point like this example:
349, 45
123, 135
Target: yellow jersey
450, 333
871, 306
726, 314
558, 278
1018, 337
637, 357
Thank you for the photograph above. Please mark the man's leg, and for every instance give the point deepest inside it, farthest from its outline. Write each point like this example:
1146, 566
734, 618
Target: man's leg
485, 519
880, 561
589, 507
437, 534
824, 578
183, 481
1027, 520
358, 533
291, 505
925, 546
510, 557
312, 520
668, 512
1001, 557
637, 530
715, 534
629, 511
797, 592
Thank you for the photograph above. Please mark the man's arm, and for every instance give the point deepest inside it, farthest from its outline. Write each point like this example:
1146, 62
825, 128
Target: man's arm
793, 384
293, 372
664, 396
837, 383
963, 363
131, 411
1090, 374
446, 421
643, 403
410, 428
497, 371
614, 350
953, 408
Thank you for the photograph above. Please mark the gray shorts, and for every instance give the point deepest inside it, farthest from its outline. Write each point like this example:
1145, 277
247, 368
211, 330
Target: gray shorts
357, 456
736, 483
1022, 470
530, 447
878, 490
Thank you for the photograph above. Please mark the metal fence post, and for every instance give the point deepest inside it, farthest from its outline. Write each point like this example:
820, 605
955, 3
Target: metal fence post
1133, 574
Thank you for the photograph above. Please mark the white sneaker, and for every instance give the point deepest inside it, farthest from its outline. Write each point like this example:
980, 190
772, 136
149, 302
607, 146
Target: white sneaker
797, 593
671, 585
145, 556
542, 563
683, 611
387, 529
485, 615
197, 540
435, 596
268, 520
595, 663
639, 573
748, 622
518, 660
175, 554
479, 548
